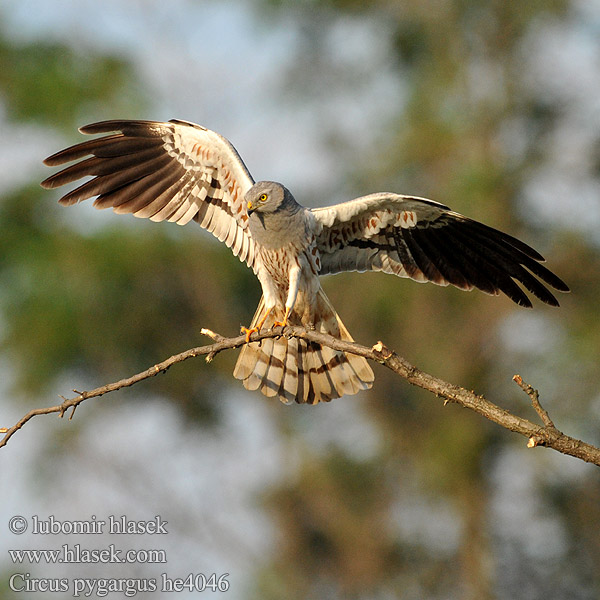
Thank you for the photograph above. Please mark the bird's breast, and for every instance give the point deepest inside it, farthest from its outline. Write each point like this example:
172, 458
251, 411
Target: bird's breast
278, 262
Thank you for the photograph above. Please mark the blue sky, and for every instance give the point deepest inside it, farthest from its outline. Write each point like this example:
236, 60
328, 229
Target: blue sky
221, 65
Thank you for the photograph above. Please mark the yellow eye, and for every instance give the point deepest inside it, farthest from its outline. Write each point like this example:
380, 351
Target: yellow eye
263, 197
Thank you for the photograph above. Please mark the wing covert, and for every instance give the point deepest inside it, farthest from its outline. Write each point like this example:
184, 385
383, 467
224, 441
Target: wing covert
426, 241
174, 171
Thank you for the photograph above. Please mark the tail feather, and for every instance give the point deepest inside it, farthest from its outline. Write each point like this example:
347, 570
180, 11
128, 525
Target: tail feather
299, 371
336, 365
359, 365
271, 383
290, 384
302, 370
253, 354
321, 384
255, 380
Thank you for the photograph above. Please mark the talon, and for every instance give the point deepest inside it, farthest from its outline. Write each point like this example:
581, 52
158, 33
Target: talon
248, 332
256, 329
285, 319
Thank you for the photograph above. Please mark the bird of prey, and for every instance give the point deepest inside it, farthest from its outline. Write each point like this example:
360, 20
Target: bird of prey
178, 171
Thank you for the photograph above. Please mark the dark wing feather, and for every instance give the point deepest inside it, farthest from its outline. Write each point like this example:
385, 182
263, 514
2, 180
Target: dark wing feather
426, 241
174, 171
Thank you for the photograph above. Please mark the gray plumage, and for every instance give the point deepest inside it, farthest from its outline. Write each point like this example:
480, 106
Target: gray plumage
179, 171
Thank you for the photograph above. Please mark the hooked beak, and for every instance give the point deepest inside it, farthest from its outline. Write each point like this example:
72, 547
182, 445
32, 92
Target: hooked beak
250, 208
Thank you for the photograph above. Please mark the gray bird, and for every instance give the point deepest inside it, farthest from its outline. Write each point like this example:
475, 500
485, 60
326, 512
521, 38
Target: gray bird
178, 171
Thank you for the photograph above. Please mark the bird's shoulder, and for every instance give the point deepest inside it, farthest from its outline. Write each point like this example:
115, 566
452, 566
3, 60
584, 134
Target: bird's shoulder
381, 206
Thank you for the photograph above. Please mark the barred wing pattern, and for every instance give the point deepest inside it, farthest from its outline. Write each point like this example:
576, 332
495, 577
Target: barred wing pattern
426, 241
175, 171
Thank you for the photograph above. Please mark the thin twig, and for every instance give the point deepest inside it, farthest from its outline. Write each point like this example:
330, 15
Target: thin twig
547, 435
536, 440
535, 401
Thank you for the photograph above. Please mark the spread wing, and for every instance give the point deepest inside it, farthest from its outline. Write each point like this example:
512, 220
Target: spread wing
174, 171
426, 241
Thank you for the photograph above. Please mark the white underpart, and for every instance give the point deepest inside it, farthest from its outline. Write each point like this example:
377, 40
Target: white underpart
294, 283
269, 288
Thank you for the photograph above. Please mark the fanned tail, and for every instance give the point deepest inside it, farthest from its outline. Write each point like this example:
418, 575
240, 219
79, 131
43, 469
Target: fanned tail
299, 371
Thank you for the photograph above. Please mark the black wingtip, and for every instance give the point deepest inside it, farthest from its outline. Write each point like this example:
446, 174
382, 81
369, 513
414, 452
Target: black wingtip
128, 127
101, 127
53, 160
561, 286
47, 184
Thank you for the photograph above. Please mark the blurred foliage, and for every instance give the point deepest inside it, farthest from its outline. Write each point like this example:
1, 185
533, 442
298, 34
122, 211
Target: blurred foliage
97, 306
53, 84
110, 304
442, 144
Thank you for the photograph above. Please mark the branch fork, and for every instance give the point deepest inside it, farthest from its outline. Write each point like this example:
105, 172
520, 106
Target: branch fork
549, 429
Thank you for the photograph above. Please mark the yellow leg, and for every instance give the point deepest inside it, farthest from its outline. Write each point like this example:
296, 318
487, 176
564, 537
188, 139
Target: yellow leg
251, 330
285, 319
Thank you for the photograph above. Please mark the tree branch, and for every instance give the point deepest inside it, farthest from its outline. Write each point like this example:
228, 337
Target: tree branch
538, 435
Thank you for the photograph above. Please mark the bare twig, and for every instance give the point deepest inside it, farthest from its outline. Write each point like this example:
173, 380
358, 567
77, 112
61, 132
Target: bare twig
546, 435
535, 400
535, 440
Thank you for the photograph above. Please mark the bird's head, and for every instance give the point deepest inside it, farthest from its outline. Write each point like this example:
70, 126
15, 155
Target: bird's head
267, 197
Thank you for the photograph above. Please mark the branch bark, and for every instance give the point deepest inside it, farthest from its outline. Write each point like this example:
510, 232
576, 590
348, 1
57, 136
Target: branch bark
545, 434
